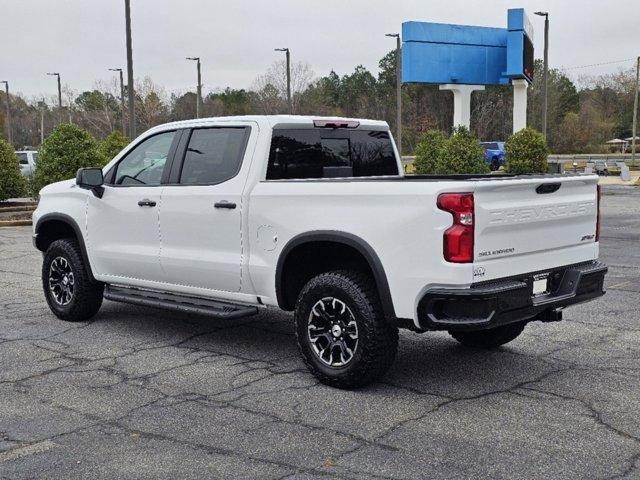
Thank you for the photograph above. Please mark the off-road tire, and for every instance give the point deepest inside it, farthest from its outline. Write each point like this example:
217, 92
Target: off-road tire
87, 294
491, 338
377, 335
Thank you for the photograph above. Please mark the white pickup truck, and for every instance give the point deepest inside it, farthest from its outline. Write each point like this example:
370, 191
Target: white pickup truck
229, 216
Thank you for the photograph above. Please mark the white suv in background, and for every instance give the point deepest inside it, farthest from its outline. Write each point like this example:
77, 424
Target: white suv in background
27, 160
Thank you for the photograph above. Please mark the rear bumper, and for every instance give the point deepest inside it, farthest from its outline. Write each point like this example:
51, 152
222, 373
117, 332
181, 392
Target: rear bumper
491, 304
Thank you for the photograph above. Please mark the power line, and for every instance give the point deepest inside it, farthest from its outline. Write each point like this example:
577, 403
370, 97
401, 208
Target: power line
598, 64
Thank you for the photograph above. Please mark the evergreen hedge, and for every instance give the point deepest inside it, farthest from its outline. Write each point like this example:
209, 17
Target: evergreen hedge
12, 183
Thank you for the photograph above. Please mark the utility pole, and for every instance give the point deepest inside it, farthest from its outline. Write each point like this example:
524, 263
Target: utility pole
42, 122
8, 105
198, 87
288, 54
398, 92
124, 121
545, 74
132, 106
56, 74
634, 133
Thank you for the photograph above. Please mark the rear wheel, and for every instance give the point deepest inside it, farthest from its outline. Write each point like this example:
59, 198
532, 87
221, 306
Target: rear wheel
489, 338
342, 333
70, 291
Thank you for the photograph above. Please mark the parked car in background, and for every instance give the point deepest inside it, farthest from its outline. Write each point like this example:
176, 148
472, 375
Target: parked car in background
601, 167
27, 160
493, 154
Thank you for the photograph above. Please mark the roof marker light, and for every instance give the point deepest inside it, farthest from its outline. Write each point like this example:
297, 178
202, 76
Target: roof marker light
336, 123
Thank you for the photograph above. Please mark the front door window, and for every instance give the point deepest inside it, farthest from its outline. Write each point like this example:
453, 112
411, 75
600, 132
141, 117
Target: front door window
145, 163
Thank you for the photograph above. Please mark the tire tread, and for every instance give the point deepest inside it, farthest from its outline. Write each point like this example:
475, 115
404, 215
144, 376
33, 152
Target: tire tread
88, 293
379, 355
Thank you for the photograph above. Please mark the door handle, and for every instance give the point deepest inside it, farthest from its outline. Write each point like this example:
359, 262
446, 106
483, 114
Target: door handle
145, 202
225, 204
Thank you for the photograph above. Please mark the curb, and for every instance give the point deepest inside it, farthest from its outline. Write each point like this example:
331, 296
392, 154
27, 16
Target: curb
14, 223
19, 208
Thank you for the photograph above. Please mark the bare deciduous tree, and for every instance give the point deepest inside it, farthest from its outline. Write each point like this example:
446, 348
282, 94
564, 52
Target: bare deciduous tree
151, 104
276, 78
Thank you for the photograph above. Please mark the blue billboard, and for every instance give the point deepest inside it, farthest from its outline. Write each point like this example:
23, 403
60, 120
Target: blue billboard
443, 53
519, 45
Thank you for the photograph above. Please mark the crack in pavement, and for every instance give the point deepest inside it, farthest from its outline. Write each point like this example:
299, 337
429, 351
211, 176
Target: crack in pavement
139, 373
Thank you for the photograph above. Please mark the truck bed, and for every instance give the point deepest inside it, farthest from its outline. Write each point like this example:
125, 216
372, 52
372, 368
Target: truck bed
439, 178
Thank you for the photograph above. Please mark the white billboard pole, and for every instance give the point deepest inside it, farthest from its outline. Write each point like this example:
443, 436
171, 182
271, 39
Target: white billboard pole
461, 102
520, 86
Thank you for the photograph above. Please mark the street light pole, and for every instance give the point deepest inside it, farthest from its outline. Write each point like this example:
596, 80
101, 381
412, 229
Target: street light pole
132, 107
635, 115
198, 87
124, 122
56, 74
288, 55
42, 121
8, 105
398, 92
545, 74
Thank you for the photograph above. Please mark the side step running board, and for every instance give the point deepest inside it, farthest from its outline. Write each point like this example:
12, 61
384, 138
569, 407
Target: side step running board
180, 303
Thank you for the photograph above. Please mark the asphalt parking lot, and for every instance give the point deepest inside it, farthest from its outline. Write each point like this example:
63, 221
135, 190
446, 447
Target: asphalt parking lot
142, 393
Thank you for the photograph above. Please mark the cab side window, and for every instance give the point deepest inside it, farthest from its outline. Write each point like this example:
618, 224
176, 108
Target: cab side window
145, 163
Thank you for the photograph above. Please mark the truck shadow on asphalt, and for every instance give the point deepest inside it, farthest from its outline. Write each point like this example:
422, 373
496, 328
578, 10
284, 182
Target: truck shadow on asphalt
431, 363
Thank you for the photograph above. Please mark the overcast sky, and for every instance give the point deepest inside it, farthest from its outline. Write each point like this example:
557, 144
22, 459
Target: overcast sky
235, 38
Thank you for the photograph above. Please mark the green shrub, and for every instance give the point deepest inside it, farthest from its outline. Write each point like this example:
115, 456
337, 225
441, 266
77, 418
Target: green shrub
111, 146
526, 151
62, 153
462, 153
428, 152
12, 183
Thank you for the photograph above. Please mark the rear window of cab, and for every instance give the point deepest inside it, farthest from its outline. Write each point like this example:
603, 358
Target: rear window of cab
330, 153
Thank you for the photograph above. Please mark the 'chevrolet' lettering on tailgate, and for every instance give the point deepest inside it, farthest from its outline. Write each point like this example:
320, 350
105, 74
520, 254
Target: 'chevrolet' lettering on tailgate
547, 212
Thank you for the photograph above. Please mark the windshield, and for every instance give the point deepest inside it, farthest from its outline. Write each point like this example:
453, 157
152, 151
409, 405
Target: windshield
490, 146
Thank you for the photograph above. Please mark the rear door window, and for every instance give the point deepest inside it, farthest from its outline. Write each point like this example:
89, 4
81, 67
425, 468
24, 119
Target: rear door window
330, 153
213, 155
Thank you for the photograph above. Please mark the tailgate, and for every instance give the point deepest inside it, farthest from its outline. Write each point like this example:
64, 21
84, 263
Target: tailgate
528, 216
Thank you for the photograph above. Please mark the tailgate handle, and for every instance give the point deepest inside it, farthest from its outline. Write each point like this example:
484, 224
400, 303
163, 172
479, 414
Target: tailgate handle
548, 187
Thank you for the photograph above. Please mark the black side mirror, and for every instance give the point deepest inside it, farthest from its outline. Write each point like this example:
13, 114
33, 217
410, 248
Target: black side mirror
91, 179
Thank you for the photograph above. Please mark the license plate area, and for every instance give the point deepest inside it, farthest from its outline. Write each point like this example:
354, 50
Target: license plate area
540, 285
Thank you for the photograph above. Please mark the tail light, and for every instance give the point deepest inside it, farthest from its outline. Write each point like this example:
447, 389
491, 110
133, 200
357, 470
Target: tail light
599, 193
458, 238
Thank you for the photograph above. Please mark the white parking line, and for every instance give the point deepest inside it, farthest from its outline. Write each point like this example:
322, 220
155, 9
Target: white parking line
25, 450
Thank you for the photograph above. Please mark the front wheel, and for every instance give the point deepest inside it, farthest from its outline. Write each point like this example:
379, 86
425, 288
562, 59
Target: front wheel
342, 333
495, 165
491, 338
70, 291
